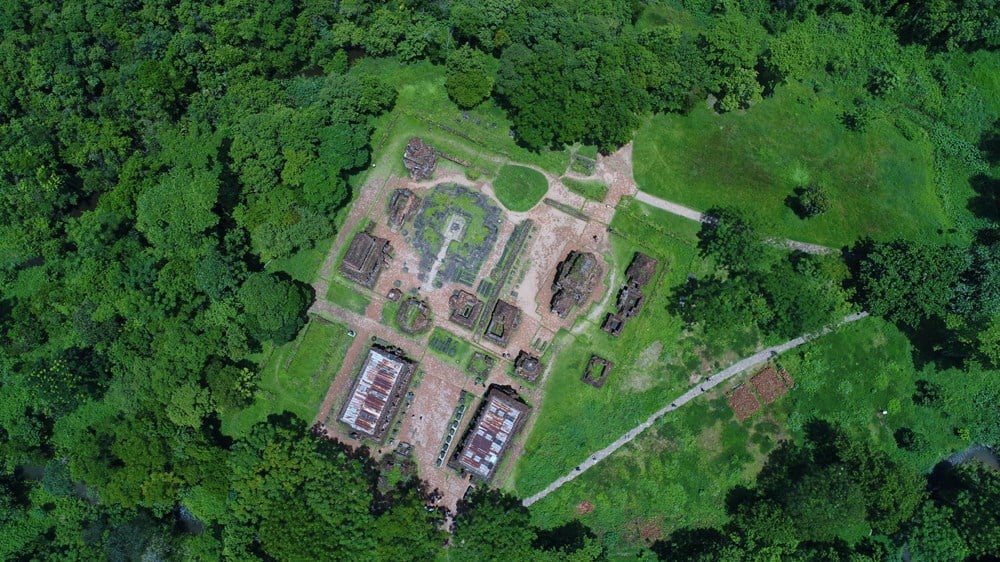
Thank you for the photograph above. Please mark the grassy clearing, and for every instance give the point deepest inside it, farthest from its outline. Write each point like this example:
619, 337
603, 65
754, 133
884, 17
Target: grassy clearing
651, 359
682, 468
295, 376
480, 136
880, 184
520, 188
347, 296
304, 264
593, 190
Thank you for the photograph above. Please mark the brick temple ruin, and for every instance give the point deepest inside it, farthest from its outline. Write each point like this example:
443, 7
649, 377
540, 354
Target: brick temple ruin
631, 297
420, 159
465, 309
365, 258
527, 366
402, 205
576, 278
597, 371
503, 322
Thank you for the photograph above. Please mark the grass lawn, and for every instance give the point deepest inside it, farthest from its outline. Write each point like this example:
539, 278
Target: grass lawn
304, 264
520, 188
651, 360
678, 472
593, 190
348, 296
880, 184
295, 376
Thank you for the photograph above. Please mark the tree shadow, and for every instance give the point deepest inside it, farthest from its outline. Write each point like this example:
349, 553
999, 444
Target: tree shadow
986, 202
569, 537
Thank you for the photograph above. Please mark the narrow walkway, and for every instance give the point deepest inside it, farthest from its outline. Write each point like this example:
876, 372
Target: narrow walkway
703, 387
688, 213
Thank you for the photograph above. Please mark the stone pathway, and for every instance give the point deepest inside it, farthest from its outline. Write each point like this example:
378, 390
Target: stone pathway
703, 387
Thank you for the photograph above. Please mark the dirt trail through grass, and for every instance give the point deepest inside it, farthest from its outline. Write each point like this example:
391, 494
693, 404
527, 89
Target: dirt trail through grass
703, 387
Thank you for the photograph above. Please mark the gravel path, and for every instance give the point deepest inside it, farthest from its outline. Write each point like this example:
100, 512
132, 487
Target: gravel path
701, 388
689, 213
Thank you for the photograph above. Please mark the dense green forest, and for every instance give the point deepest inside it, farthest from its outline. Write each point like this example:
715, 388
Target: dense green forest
160, 160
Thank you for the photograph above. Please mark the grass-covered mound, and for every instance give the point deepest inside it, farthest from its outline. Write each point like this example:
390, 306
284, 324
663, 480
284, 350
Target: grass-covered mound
520, 188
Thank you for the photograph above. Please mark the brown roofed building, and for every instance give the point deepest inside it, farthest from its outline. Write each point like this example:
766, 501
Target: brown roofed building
500, 417
377, 393
364, 259
419, 158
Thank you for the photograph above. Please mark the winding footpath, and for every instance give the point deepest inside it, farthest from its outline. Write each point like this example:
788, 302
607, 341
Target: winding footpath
703, 387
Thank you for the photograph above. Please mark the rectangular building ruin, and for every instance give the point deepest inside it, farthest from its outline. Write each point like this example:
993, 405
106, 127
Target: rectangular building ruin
597, 371
465, 309
365, 259
379, 389
575, 280
527, 366
613, 324
500, 417
503, 322
419, 158
402, 204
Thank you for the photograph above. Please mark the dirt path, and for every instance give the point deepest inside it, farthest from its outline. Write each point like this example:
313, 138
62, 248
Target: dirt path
702, 388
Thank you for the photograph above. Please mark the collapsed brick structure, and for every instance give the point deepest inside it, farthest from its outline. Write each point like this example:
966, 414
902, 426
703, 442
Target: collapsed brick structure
365, 258
527, 366
488, 438
631, 298
613, 324
413, 316
465, 309
419, 158
402, 204
503, 322
575, 280
597, 371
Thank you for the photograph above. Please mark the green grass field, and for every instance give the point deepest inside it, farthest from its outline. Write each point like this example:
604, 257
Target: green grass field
295, 377
519, 188
880, 184
652, 359
347, 295
678, 472
593, 190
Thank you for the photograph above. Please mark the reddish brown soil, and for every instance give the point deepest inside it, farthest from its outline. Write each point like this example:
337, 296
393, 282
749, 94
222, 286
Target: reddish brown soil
768, 385
584, 507
743, 402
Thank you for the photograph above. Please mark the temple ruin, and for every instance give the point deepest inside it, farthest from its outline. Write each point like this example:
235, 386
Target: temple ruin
419, 158
365, 259
576, 278
402, 205
597, 371
465, 309
527, 366
503, 322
